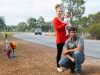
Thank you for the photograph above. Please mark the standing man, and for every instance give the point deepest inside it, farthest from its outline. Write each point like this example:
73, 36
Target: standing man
74, 52
61, 37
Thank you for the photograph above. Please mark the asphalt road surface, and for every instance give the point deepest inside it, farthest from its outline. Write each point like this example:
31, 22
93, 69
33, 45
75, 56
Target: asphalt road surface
92, 47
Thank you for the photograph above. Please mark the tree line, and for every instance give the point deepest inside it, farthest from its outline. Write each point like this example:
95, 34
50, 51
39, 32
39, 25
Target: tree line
88, 25
29, 26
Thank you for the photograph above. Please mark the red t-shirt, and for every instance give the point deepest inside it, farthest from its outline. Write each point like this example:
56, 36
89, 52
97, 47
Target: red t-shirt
60, 30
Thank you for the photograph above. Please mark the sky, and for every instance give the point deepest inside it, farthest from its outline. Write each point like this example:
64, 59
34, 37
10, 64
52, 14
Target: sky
15, 11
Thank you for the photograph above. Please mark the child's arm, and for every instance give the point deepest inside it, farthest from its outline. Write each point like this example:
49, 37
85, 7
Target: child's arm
70, 58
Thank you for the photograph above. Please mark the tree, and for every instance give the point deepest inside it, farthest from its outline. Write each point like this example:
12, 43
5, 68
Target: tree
14, 28
75, 8
84, 23
94, 30
31, 23
93, 27
2, 23
96, 18
21, 27
11, 28
41, 23
90, 18
49, 27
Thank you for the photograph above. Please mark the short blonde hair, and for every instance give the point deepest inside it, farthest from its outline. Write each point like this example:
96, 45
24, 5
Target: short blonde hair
58, 5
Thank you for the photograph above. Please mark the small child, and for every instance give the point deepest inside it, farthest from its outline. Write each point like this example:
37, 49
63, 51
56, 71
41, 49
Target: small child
67, 20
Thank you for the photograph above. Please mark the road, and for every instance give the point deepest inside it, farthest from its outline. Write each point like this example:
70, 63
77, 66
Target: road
92, 47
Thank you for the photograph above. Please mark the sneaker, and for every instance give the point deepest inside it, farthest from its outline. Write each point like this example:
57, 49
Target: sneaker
59, 69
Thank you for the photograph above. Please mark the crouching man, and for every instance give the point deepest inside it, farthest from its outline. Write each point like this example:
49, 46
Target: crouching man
74, 52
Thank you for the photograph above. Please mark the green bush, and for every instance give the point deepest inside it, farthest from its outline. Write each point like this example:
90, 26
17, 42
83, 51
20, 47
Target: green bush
94, 31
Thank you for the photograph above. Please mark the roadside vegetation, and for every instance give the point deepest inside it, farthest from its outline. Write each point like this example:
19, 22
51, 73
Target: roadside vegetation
89, 26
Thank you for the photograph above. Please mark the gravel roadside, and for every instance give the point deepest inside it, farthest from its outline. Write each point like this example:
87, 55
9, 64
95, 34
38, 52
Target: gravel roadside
36, 59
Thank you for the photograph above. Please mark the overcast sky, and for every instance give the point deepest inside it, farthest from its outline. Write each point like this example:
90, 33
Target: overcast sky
15, 11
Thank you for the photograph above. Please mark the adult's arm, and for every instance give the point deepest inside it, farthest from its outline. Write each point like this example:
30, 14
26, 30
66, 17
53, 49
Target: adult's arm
57, 26
80, 47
